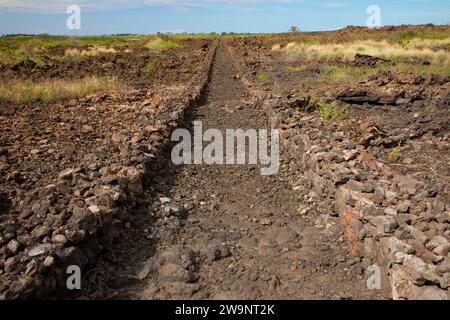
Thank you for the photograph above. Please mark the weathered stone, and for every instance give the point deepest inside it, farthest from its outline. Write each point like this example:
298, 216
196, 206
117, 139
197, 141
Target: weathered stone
39, 249
438, 207
173, 272
177, 254
94, 209
40, 231
82, 219
442, 249
148, 267
403, 218
403, 206
285, 235
164, 200
443, 267
395, 245
390, 212
131, 179
444, 281
216, 251
384, 224
355, 185
436, 241
49, 261
13, 246
66, 174
417, 234
175, 210
59, 238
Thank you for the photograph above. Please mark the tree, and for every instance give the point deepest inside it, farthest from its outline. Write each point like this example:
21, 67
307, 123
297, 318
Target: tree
294, 29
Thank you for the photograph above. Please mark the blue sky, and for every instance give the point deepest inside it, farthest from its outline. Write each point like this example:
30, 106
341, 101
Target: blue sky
149, 16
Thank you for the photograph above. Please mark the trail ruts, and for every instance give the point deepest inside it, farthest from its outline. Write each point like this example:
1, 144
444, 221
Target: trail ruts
230, 233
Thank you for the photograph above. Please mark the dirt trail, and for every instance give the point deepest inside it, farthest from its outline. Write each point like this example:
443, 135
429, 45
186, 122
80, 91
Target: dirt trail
246, 231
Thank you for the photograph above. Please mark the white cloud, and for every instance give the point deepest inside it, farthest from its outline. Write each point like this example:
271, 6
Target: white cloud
180, 5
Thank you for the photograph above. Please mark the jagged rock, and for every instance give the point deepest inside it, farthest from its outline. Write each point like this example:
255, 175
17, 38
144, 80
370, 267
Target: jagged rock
364, 60
358, 96
395, 245
384, 224
436, 241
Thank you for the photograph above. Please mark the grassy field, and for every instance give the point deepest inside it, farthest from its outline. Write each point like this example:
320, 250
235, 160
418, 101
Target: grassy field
15, 49
42, 50
420, 52
423, 52
54, 90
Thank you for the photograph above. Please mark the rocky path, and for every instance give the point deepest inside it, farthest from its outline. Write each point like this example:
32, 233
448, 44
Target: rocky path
227, 232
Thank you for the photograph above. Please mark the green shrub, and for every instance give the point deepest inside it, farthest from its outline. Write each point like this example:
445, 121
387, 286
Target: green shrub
332, 111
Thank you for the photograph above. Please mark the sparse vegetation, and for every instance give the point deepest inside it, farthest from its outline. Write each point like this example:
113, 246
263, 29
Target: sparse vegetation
159, 45
28, 91
16, 49
394, 152
342, 73
430, 54
297, 69
263, 76
332, 111
150, 68
424, 69
382, 49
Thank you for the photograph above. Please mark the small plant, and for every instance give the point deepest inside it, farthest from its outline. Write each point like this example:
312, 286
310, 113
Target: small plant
160, 45
394, 152
263, 76
149, 68
332, 111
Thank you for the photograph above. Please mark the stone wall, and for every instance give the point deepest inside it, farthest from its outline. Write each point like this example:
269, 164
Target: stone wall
70, 221
390, 220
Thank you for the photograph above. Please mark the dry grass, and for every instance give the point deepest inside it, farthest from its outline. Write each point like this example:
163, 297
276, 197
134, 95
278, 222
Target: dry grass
91, 52
25, 92
416, 50
436, 44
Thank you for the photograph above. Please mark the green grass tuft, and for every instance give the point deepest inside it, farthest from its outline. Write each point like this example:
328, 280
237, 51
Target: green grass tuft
297, 69
150, 68
263, 76
160, 45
